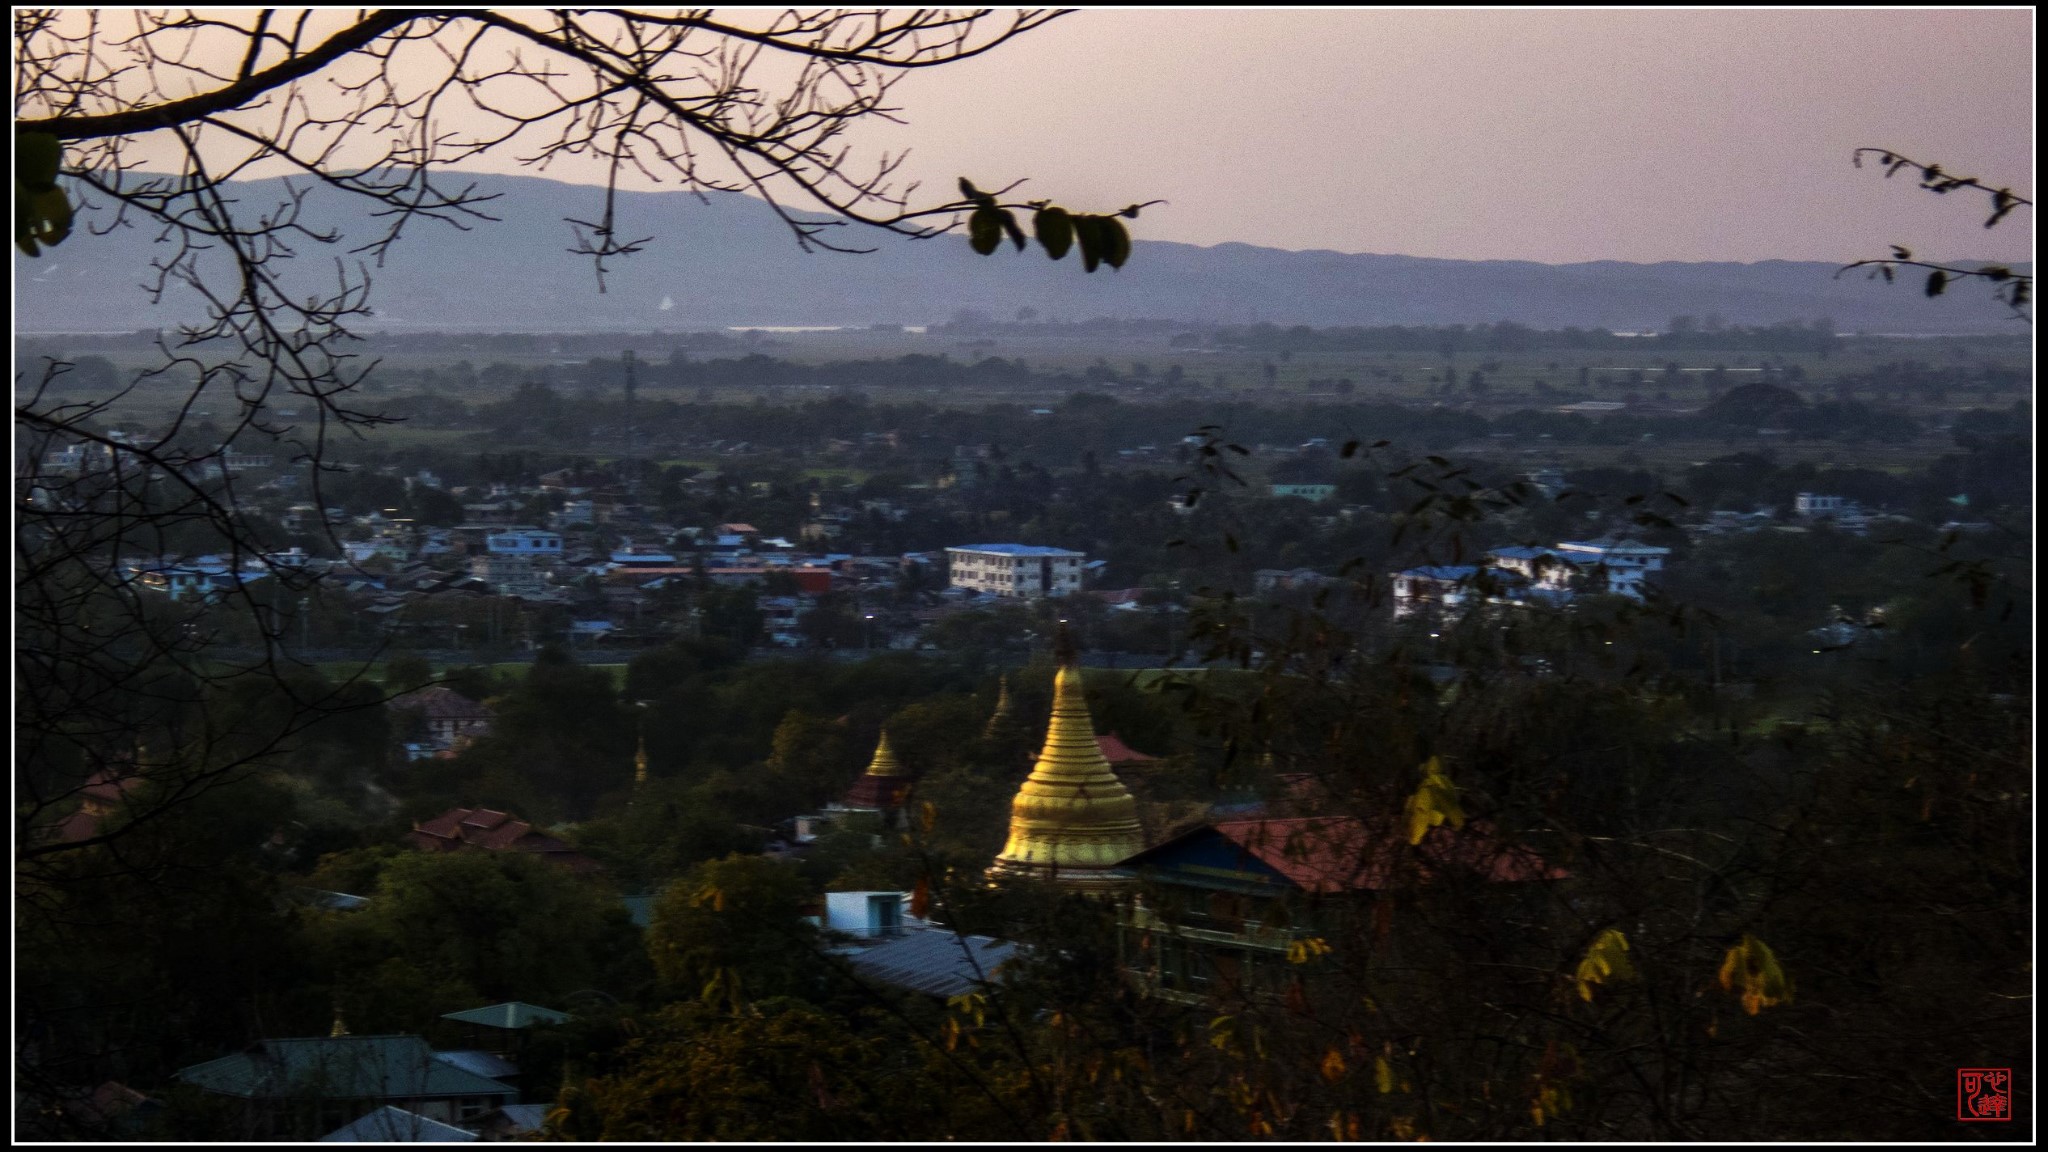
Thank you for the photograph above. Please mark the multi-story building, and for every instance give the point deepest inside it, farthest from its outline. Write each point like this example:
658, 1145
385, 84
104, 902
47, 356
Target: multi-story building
1624, 564
1024, 571
515, 561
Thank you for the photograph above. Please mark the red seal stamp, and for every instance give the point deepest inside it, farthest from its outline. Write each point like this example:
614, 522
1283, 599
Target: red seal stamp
1983, 1093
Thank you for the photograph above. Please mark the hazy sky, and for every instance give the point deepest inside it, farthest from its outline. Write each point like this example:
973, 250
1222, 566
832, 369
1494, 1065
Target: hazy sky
1550, 136
1555, 136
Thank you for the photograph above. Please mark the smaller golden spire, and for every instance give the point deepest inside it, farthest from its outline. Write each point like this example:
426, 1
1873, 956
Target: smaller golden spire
884, 786
340, 1026
999, 723
640, 763
885, 762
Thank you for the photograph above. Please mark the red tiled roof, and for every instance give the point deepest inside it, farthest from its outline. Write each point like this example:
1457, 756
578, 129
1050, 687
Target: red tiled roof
102, 792
1342, 853
492, 831
1116, 751
438, 702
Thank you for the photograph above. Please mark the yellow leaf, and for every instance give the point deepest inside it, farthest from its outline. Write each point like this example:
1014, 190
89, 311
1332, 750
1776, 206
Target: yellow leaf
1333, 1065
1607, 959
1751, 969
1382, 1075
1305, 949
1434, 802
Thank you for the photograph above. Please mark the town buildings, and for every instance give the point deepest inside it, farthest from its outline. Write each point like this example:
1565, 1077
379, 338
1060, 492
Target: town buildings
1615, 566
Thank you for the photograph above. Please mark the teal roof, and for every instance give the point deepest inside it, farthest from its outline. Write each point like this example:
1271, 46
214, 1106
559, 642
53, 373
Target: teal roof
513, 1015
339, 1067
388, 1125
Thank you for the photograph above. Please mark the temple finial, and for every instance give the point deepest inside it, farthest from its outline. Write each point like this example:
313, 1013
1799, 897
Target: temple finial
1064, 652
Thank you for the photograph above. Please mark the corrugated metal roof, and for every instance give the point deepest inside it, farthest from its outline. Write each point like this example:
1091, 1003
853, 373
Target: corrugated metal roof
527, 1116
516, 1014
388, 1125
932, 960
481, 1063
339, 1067
1015, 549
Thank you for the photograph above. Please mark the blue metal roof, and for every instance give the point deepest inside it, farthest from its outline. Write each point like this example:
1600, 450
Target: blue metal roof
388, 1125
517, 1014
1442, 572
932, 960
339, 1067
1014, 549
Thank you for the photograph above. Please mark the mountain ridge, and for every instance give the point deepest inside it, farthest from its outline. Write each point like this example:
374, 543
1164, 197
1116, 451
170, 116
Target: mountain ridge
731, 262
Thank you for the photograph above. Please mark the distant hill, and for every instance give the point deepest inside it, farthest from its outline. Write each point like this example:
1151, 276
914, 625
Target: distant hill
729, 261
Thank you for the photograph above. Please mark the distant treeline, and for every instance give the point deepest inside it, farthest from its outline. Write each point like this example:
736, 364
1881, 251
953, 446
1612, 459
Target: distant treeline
1684, 332
1094, 423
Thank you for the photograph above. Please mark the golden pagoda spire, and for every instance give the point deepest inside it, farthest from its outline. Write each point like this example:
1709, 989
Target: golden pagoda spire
340, 1026
1073, 820
885, 762
999, 722
640, 764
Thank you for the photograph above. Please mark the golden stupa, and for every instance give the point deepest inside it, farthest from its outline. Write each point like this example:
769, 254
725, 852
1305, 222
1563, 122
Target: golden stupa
1073, 821
885, 783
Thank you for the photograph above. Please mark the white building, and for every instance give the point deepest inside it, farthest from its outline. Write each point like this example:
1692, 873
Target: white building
1025, 571
516, 560
1313, 493
1810, 505
1624, 563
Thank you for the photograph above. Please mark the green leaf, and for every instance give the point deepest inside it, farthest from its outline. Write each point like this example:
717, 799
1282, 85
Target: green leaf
1055, 231
1088, 234
1016, 233
970, 192
41, 219
42, 213
1937, 282
985, 229
37, 156
1116, 242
